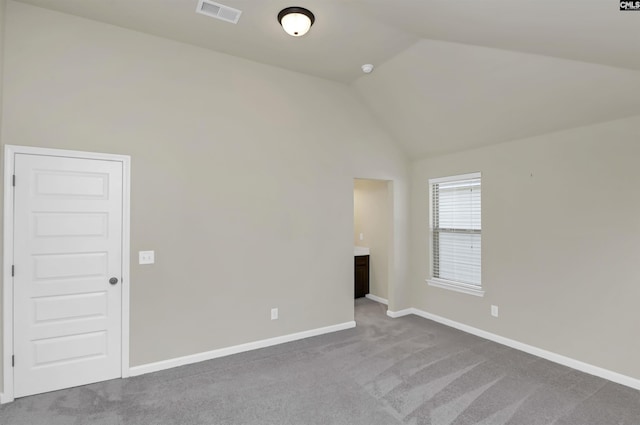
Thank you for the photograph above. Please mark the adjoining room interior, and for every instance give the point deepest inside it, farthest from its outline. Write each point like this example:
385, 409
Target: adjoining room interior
372, 230
184, 186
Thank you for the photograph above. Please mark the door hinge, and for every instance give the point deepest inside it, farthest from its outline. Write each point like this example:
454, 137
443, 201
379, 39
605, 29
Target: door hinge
13, 270
14, 179
13, 361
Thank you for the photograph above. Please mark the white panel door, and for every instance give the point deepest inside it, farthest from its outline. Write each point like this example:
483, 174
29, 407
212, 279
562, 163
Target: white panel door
67, 247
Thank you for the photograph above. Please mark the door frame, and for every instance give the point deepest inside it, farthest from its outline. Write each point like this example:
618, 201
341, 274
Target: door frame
392, 235
10, 152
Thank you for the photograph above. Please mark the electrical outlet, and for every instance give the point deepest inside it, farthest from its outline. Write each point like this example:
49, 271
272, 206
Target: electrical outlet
146, 257
274, 314
361, 236
494, 310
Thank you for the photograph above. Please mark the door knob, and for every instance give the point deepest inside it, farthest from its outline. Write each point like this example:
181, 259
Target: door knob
113, 280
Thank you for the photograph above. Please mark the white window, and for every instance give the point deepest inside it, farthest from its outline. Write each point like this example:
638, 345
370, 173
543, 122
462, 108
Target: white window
456, 233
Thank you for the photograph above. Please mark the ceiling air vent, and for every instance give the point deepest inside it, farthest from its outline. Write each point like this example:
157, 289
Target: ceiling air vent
218, 11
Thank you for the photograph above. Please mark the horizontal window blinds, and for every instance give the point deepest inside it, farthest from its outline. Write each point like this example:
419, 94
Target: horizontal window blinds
457, 226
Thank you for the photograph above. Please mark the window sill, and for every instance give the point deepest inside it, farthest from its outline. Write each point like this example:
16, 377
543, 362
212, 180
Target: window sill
456, 286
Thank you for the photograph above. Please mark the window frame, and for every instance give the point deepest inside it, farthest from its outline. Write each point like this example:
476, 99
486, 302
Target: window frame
452, 285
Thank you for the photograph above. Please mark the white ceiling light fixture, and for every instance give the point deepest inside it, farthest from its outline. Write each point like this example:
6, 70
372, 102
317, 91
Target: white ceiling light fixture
296, 21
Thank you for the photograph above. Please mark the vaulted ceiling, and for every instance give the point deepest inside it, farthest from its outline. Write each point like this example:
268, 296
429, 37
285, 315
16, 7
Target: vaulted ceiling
449, 75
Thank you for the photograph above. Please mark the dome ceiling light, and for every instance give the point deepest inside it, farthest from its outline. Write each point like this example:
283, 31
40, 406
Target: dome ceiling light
296, 21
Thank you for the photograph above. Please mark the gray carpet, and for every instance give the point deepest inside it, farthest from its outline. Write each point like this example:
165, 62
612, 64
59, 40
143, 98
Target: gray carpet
384, 372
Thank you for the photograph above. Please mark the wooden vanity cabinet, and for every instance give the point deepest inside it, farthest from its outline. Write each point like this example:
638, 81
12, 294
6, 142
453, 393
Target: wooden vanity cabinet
361, 276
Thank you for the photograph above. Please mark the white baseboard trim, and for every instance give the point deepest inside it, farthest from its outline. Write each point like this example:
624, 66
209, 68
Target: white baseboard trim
4, 399
539, 352
227, 351
400, 313
377, 299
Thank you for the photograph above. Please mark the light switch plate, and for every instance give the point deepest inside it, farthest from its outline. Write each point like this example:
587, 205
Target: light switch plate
146, 257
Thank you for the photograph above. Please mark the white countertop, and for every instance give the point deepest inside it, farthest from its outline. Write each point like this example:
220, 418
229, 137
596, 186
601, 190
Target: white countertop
360, 250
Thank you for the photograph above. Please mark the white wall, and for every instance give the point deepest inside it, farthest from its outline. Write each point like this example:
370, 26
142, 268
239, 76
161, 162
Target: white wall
560, 242
3, 5
372, 219
230, 163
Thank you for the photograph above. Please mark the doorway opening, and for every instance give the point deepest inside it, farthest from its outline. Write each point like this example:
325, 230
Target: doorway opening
372, 238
